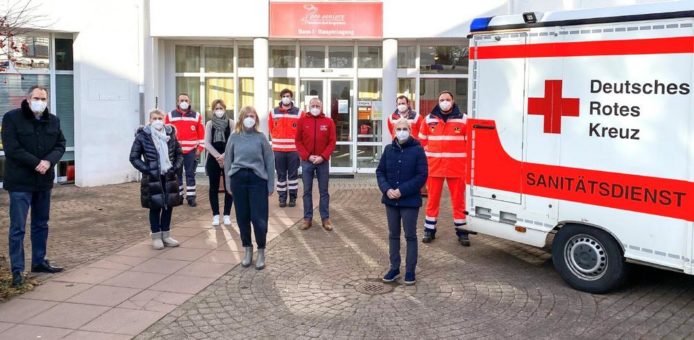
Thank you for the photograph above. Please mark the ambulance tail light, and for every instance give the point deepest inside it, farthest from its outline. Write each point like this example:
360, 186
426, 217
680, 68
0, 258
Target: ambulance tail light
480, 24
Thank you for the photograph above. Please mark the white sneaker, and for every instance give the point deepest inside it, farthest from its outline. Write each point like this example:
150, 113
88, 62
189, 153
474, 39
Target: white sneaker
215, 220
227, 220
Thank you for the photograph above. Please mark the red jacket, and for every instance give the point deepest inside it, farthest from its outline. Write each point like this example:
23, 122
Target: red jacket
415, 120
315, 136
189, 129
282, 123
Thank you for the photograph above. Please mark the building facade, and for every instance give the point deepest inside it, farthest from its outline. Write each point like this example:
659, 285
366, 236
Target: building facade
107, 63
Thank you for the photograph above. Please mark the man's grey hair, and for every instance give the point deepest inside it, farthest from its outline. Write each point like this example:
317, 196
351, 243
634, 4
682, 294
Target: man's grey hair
31, 90
316, 100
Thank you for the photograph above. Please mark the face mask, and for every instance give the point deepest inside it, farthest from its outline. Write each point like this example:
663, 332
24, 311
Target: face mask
158, 124
402, 108
38, 106
286, 100
315, 111
445, 105
248, 122
184, 106
402, 135
219, 113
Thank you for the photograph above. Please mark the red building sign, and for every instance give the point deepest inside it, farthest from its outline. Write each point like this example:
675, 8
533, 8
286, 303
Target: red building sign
326, 20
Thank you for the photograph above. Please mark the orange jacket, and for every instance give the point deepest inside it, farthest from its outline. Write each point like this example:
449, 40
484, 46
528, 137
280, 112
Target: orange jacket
189, 129
282, 125
445, 142
415, 120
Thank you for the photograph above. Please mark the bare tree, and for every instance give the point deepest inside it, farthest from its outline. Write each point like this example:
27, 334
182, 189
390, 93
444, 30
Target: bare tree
18, 18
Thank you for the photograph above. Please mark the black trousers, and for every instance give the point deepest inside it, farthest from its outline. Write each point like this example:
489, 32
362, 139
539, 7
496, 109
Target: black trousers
190, 164
214, 173
287, 167
251, 195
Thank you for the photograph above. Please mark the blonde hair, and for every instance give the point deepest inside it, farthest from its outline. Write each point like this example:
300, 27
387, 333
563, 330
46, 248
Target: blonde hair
402, 121
156, 112
239, 123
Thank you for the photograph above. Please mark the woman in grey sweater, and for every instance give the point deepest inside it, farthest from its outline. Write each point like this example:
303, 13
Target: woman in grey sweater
249, 166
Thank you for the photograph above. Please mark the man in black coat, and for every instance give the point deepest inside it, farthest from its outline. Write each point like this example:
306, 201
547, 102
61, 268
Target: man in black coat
33, 145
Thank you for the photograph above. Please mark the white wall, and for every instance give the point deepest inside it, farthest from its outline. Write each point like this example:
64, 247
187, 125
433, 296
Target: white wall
209, 18
108, 70
417, 19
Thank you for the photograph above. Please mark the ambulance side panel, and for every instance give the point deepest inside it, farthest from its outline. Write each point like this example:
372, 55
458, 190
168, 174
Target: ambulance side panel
640, 134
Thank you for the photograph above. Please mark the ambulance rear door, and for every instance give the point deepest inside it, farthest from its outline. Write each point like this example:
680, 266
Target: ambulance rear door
498, 94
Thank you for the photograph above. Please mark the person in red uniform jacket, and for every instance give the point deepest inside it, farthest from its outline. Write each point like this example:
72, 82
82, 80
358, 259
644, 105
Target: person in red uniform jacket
315, 141
191, 135
443, 135
282, 122
405, 111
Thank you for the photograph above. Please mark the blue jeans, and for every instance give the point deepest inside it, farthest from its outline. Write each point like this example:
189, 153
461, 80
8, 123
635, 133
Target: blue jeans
160, 219
40, 204
251, 197
308, 172
407, 218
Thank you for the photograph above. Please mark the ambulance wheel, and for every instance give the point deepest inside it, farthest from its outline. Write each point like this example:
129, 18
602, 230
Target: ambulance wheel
588, 259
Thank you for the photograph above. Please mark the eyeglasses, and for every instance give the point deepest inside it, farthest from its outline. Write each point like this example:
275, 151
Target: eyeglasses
315, 106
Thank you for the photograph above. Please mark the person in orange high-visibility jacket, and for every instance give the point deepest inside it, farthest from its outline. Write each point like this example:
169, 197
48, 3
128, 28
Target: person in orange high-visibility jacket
443, 136
282, 123
191, 134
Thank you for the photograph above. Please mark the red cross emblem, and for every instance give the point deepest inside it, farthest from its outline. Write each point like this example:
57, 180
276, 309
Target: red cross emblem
553, 106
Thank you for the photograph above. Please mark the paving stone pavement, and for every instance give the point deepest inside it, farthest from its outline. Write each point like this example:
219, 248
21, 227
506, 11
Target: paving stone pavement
494, 289
88, 224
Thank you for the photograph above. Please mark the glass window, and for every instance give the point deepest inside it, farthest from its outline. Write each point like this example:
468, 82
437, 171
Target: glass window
187, 59
219, 88
313, 56
430, 89
282, 56
31, 53
245, 56
370, 57
340, 56
407, 56
279, 84
13, 89
191, 86
65, 107
63, 54
369, 111
341, 157
219, 59
406, 87
246, 92
444, 59
368, 156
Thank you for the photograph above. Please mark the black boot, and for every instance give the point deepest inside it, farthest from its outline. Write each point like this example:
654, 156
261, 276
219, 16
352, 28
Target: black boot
191, 202
17, 280
464, 240
292, 202
283, 203
429, 235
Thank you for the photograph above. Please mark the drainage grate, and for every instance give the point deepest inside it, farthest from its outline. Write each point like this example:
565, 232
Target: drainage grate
373, 288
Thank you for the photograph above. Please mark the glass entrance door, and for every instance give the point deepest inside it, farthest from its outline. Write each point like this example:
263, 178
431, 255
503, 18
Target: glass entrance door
338, 103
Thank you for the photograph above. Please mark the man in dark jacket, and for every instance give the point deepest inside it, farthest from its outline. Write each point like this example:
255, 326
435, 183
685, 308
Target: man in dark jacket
33, 145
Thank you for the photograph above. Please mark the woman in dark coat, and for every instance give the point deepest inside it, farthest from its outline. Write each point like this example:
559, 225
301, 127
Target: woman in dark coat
157, 155
401, 173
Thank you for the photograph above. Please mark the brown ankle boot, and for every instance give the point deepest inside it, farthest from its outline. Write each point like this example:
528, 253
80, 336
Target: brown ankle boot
327, 225
305, 225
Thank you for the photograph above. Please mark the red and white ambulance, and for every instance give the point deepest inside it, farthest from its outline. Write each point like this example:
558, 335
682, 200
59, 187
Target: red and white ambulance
581, 136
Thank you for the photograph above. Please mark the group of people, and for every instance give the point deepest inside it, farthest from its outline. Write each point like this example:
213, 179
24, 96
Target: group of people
241, 159
426, 150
